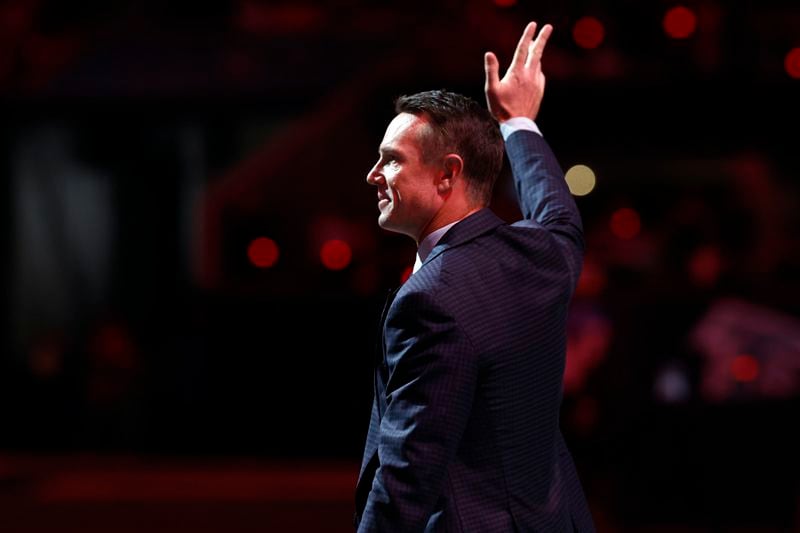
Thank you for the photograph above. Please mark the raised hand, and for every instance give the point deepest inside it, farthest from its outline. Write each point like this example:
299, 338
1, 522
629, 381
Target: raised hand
520, 92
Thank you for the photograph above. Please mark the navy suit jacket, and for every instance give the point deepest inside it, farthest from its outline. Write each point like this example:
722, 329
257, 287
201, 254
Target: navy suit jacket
464, 433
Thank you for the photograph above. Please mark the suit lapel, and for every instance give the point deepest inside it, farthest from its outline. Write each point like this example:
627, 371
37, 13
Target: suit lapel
473, 226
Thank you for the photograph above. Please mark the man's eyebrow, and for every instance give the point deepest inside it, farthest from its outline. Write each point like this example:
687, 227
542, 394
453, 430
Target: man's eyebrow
388, 150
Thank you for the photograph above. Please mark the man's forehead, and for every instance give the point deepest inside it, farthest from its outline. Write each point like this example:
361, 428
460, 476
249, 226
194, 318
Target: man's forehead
404, 127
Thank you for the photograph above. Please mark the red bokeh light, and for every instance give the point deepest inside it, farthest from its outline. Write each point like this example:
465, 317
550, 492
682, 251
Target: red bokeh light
792, 63
47, 355
406, 274
112, 346
625, 223
705, 265
680, 22
592, 280
262, 17
263, 252
505, 3
745, 368
588, 32
335, 254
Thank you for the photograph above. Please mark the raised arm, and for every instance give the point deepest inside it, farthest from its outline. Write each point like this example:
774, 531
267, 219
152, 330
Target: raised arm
543, 194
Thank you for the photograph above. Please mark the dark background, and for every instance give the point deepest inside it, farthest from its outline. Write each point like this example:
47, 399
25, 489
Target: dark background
151, 371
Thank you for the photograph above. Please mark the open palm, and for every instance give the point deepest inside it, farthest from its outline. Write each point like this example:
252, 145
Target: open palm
520, 92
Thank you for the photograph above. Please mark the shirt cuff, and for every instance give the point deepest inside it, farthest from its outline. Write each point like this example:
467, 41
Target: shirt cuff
518, 123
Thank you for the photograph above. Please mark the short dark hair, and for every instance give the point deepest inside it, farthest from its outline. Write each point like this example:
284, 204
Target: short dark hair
462, 126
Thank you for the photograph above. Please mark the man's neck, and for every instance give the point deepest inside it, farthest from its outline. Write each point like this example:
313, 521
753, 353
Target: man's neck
442, 219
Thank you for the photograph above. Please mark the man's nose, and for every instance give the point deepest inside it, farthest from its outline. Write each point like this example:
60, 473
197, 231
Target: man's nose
373, 175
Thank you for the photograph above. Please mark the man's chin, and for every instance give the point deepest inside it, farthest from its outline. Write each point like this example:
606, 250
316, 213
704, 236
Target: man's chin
385, 222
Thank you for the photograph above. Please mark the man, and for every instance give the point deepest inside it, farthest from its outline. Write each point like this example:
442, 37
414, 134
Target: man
464, 434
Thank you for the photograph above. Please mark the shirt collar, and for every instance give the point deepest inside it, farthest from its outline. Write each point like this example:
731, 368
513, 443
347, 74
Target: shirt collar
429, 243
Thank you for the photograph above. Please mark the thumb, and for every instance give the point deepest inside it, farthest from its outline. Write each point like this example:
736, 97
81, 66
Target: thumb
492, 66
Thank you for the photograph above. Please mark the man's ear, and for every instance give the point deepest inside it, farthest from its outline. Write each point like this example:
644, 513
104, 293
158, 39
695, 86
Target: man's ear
453, 168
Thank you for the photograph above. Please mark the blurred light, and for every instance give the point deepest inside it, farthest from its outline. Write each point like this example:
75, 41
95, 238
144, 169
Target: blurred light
47, 355
672, 384
745, 368
505, 3
335, 254
589, 334
262, 17
592, 280
732, 327
112, 346
263, 252
580, 180
705, 265
792, 63
406, 274
625, 223
112, 341
680, 22
588, 32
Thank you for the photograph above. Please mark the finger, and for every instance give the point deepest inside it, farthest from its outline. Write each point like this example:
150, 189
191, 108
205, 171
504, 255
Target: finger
531, 56
491, 65
536, 48
521, 53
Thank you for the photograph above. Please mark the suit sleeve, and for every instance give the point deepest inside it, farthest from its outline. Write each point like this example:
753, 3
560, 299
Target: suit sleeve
543, 194
432, 380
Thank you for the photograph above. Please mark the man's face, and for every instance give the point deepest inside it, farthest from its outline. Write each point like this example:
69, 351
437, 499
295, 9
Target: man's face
407, 185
